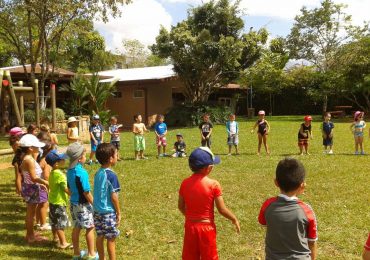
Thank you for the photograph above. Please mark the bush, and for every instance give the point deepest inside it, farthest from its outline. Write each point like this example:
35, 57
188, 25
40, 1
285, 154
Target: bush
191, 115
45, 115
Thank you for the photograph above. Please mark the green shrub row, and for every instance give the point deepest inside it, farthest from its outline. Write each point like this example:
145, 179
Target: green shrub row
45, 115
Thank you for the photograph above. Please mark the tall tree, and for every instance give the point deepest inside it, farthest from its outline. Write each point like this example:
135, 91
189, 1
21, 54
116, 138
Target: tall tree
318, 33
208, 49
35, 28
5, 54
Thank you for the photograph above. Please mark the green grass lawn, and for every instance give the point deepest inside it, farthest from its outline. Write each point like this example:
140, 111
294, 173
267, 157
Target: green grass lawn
337, 189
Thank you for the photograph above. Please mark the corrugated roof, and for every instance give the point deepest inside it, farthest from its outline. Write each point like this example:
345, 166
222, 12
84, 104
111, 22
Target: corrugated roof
19, 69
135, 74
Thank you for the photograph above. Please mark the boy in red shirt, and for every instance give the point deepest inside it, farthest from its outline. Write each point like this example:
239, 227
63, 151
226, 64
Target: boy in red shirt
197, 197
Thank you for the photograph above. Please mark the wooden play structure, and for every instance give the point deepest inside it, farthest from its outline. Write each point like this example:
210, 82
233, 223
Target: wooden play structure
8, 100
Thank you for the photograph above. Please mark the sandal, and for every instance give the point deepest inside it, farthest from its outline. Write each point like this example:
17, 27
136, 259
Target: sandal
37, 239
66, 246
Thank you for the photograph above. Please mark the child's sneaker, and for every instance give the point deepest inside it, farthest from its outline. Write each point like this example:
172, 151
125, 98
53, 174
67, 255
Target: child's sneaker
330, 152
356, 153
89, 162
362, 153
85, 255
45, 227
76, 257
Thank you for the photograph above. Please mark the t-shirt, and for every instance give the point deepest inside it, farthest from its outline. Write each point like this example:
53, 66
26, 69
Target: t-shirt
114, 129
57, 186
290, 225
232, 127
78, 183
160, 128
327, 127
180, 146
367, 245
105, 183
199, 193
206, 128
97, 131
306, 129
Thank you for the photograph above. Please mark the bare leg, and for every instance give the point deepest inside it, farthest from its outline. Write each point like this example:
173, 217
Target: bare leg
100, 247
141, 154
236, 149
264, 138
76, 240
306, 148
111, 248
43, 211
164, 149
62, 237
356, 144
159, 150
90, 239
300, 149
30, 214
92, 155
259, 143
229, 149
136, 155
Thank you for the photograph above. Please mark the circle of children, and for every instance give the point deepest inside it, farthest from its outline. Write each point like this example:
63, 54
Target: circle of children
291, 224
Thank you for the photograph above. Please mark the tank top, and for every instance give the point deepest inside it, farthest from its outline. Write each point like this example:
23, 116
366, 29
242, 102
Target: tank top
74, 134
26, 175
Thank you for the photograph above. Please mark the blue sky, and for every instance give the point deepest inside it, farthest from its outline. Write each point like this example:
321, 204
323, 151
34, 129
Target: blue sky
142, 19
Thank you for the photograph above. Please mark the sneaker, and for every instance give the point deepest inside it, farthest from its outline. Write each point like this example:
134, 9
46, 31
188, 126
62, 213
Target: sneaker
229, 154
96, 161
144, 158
45, 227
330, 152
356, 153
325, 152
362, 153
89, 162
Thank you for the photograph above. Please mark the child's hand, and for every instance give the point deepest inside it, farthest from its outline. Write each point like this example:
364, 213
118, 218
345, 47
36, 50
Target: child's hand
237, 225
252, 131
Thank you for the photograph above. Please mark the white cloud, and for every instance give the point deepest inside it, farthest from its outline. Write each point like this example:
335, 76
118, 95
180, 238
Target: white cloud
140, 20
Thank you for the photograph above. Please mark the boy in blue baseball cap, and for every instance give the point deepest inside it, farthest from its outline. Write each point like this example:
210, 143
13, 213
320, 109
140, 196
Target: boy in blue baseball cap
197, 196
58, 197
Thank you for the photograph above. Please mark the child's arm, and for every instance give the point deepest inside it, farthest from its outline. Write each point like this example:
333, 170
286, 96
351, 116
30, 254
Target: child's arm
115, 202
54, 139
92, 137
102, 134
312, 245
201, 134
254, 127
220, 204
66, 190
228, 128
267, 126
351, 127
30, 166
69, 135
311, 134
18, 180
210, 132
89, 197
144, 128
134, 129
181, 205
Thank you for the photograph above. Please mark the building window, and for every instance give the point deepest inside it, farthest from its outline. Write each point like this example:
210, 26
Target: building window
224, 101
117, 94
139, 93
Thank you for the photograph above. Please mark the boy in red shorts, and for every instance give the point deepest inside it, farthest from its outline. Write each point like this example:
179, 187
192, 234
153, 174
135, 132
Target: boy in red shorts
197, 196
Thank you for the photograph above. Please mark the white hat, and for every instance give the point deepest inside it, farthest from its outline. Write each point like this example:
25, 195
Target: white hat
261, 112
71, 119
29, 140
96, 117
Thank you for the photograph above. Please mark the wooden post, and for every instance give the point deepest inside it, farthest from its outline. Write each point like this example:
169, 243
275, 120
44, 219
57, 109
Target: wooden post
13, 98
1, 81
21, 104
37, 103
53, 107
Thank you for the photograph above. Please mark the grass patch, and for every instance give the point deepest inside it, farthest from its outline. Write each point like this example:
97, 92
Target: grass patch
337, 189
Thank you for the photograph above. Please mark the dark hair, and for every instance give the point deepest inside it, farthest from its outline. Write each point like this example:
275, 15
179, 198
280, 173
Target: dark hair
31, 128
159, 117
45, 150
14, 138
290, 174
104, 152
136, 116
44, 136
19, 156
327, 114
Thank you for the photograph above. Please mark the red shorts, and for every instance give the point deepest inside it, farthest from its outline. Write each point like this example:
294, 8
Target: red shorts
199, 241
302, 142
161, 141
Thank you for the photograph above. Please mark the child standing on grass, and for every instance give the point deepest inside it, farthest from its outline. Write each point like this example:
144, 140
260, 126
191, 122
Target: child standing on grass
160, 135
197, 196
96, 137
327, 133
107, 213
232, 128
291, 224
263, 130
206, 131
72, 131
357, 128
81, 200
114, 134
138, 128
34, 188
58, 198
304, 134
179, 146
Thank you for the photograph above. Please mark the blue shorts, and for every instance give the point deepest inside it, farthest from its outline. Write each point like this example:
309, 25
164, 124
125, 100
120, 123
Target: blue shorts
106, 225
94, 146
82, 216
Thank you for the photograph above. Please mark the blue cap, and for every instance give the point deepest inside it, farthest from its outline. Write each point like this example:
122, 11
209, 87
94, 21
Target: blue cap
53, 157
202, 157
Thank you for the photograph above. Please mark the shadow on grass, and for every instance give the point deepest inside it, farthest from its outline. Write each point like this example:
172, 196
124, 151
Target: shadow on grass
39, 252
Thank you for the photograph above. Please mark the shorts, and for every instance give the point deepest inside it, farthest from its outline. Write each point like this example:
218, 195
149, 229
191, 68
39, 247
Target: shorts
116, 144
358, 134
106, 225
206, 142
34, 193
94, 146
302, 142
179, 154
139, 143
233, 140
161, 141
328, 141
58, 216
82, 216
199, 241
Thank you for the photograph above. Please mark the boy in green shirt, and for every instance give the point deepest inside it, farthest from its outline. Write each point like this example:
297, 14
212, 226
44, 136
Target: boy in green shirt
58, 197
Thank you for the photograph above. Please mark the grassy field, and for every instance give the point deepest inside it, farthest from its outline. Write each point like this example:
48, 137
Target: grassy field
337, 189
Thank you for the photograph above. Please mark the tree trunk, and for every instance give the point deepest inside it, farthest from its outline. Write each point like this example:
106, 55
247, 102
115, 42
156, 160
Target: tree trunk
325, 104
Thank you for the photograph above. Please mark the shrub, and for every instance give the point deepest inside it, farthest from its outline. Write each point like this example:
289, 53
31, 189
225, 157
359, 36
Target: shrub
45, 115
191, 115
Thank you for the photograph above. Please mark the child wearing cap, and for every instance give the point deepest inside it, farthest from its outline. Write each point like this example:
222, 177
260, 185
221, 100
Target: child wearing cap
327, 133
34, 187
304, 134
96, 136
205, 131
58, 197
107, 213
179, 146
197, 196
357, 128
263, 130
160, 135
81, 200
72, 131
291, 224
232, 128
